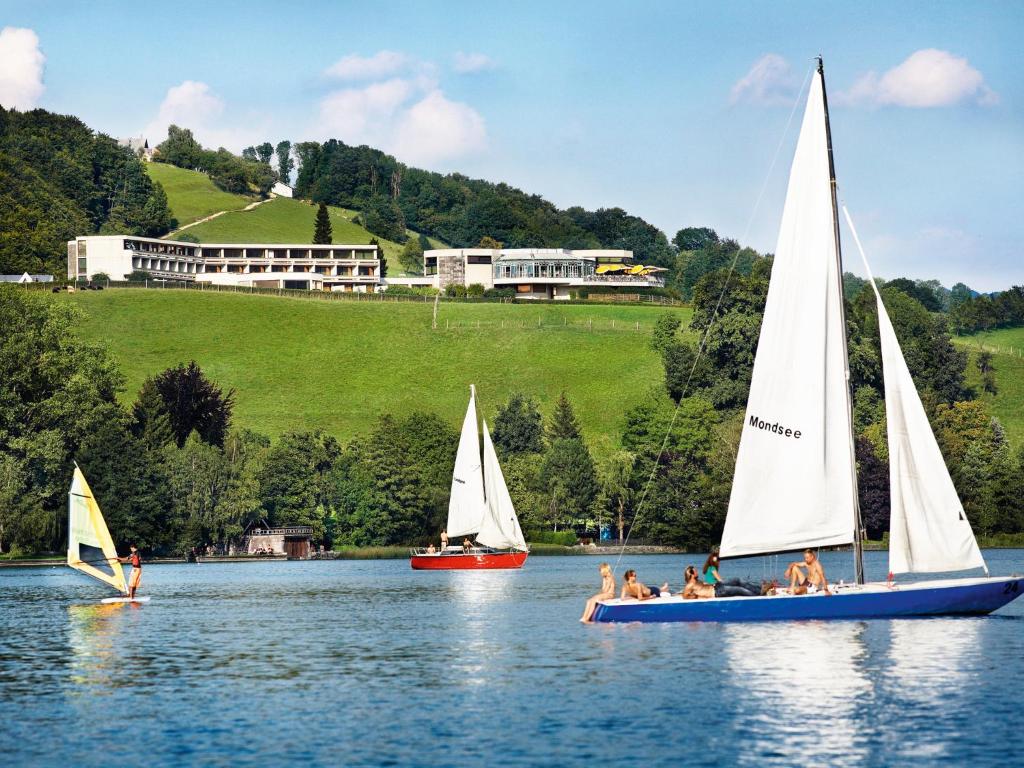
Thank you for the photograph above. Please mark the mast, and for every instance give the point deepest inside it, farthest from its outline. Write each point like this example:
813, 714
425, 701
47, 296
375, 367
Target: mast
858, 550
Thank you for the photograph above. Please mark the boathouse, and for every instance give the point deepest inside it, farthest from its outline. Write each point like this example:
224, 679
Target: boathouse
291, 540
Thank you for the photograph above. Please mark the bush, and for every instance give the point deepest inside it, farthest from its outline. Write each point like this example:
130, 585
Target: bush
455, 291
137, 276
562, 538
410, 290
100, 277
475, 290
499, 293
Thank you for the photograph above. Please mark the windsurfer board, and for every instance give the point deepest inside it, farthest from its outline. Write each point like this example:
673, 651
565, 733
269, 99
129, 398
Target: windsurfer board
109, 600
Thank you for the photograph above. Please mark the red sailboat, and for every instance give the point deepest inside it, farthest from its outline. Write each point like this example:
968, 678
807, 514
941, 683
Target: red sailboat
480, 504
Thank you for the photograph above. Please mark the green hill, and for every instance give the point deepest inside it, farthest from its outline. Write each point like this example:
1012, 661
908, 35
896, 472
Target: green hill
287, 221
1008, 404
191, 195
299, 363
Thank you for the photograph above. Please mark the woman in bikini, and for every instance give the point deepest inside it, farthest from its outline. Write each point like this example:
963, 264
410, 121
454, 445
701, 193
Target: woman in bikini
607, 593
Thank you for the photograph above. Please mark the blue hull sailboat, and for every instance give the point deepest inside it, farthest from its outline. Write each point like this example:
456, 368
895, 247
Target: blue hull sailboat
795, 481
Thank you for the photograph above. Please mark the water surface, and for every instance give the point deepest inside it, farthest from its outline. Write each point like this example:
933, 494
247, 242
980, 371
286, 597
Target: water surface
370, 663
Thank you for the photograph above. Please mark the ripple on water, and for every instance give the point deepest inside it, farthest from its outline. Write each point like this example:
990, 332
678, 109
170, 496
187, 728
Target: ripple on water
369, 663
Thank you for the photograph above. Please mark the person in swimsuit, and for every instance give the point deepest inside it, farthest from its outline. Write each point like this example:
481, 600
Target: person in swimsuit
444, 540
696, 590
466, 545
430, 549
639, 591
135, 577
607, 593
800, 583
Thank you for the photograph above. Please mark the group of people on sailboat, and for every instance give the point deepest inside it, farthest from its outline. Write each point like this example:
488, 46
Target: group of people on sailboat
805, 576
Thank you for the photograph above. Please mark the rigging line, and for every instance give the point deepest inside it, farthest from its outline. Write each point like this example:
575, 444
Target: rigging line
711, 321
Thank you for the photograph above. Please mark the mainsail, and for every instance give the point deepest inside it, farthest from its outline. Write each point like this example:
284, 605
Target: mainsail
794, 481
466, 506
500, 527
928, 530
90, 548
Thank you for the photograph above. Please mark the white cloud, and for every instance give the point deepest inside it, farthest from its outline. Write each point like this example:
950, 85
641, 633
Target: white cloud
927, 78
358, 115
769, 82
21, 68
356, 67
194, 105
436, 130
408, 117
468, 63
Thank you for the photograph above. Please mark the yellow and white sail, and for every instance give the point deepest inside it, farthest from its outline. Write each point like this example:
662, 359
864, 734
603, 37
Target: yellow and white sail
90, 548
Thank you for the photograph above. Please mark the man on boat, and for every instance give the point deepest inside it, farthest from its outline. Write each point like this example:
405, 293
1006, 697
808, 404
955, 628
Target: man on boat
696, 590
135, 578
444, 540
638, 590
800, 583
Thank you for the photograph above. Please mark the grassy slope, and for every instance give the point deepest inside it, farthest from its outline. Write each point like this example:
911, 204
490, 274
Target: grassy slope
288, 221
1008, 405
191, 195
301, 363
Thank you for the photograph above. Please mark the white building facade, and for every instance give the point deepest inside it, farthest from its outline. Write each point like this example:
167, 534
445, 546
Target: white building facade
350, 268
533, 273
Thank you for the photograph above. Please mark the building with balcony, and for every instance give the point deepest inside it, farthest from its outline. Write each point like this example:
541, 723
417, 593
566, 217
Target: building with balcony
533, 273
258, 265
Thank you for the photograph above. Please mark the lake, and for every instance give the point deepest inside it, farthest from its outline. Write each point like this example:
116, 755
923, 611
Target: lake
370, 663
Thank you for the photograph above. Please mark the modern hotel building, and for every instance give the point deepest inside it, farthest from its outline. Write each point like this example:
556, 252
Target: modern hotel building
257, 265
533, 273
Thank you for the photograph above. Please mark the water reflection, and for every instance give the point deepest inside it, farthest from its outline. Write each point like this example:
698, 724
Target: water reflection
92, 637
934, 664
798, 689
475, 618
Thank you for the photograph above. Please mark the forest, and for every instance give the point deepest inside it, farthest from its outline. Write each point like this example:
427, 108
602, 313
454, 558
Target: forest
59, 180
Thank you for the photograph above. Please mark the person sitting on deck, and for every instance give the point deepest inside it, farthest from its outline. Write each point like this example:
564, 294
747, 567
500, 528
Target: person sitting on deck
431, 549
801, 583
638, 590
710, 569
466, 545
695, 590
607, 593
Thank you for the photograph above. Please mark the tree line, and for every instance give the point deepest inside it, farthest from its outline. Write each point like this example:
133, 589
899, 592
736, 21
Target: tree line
59, 180
241, 175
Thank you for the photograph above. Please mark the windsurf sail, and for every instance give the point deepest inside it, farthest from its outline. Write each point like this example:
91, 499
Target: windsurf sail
90, 548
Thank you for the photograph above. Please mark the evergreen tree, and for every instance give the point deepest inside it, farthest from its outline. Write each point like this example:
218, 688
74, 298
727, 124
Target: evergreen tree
193, 402
381, 257
563, 424
285, 163
569, 480
323, 233
518, 427
150, 422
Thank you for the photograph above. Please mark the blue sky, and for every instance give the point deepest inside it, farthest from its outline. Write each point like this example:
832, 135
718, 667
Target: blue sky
670, 110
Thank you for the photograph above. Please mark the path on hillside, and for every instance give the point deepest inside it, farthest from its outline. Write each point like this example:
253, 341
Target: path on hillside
213, 216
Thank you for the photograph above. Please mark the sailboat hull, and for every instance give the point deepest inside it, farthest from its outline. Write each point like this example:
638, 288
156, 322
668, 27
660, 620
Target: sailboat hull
871, 601
474, 561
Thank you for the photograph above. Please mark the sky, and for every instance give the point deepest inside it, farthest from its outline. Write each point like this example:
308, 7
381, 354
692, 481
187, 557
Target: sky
678, 112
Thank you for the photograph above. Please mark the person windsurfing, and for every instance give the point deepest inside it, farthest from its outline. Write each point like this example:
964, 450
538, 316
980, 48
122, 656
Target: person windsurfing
135, 578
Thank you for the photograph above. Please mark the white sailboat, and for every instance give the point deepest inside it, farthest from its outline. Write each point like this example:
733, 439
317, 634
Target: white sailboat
795, 481
479, 506
90, 547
